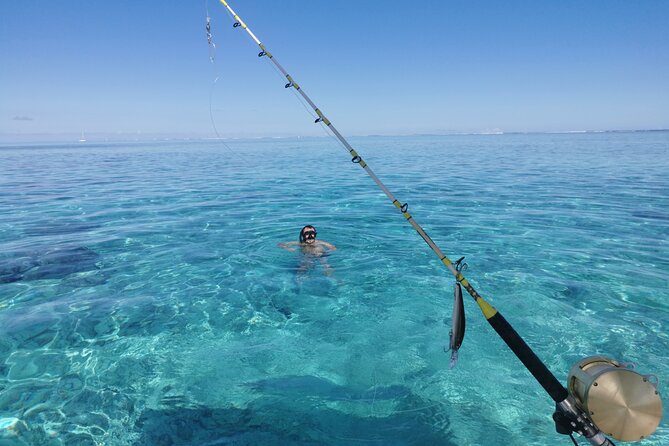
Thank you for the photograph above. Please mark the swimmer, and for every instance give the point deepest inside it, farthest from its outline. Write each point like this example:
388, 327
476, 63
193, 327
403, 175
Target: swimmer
308, 243
311, 248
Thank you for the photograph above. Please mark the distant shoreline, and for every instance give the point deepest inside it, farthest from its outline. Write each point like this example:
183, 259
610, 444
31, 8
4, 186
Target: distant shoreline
93, 138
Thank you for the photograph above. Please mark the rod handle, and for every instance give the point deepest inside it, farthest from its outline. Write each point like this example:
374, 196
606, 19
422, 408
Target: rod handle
531, 361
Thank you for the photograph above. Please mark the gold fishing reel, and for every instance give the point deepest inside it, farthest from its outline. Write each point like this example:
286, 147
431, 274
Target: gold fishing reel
621, 402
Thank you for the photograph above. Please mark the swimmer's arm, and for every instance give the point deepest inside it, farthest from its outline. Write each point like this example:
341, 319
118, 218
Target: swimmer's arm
330, 246
287, 245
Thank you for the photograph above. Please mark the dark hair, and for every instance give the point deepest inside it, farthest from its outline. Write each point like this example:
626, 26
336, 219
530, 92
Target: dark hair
302, 239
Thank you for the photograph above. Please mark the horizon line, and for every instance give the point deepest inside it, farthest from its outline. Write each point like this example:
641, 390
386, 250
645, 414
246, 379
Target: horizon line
147, 137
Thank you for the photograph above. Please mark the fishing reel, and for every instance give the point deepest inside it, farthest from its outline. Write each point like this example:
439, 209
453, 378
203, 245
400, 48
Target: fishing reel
609, 397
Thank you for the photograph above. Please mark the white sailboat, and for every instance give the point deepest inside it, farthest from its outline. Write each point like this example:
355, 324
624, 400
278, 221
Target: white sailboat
83, 138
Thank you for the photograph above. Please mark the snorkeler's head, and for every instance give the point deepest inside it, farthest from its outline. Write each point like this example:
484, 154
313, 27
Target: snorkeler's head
308, 234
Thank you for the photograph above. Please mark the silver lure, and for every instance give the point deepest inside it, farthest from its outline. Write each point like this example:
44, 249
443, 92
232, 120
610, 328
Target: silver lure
457, 333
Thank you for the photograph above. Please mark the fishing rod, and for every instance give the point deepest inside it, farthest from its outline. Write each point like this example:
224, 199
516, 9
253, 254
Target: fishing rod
572, 412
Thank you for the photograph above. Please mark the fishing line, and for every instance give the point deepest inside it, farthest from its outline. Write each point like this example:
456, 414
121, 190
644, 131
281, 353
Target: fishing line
215, 68
304, 104
211, 113
283, 78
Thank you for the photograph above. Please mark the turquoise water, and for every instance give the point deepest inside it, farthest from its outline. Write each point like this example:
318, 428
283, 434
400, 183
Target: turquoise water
144, 300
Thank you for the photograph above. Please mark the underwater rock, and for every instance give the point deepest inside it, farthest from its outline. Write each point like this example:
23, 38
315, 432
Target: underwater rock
53, 263
61, 228
269, 421
651, 215
11, 270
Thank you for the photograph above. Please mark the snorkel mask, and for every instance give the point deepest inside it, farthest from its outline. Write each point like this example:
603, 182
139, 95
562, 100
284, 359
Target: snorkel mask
308, 233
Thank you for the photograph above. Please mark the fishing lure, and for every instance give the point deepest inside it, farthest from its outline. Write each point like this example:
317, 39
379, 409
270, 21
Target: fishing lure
210, 40
457, 333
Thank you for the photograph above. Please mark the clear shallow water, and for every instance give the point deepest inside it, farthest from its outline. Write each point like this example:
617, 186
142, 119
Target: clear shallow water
144, 300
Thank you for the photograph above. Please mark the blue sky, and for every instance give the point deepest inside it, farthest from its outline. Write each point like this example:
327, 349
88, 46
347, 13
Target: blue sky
374, 67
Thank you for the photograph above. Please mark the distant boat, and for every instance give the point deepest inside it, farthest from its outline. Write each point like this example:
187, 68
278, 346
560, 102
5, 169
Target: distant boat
83, 138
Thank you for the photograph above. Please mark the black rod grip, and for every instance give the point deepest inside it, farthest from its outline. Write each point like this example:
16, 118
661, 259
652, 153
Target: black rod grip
528, 358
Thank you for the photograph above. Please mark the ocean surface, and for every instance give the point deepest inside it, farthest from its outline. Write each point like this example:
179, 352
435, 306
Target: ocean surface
144, 300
